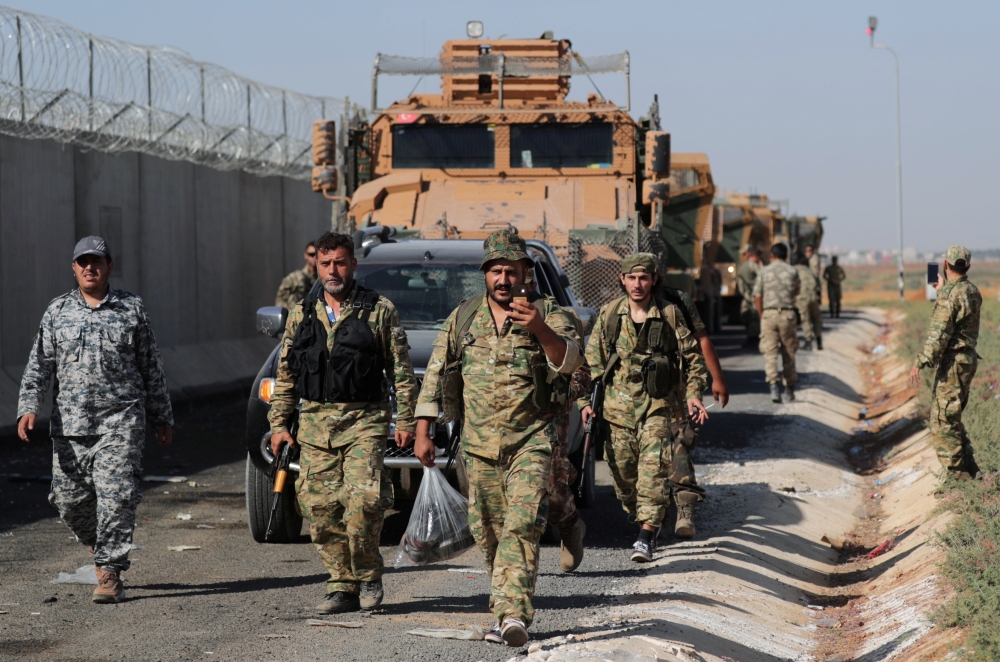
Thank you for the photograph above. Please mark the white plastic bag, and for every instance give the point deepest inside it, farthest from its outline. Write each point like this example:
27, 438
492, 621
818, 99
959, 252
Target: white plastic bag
439, 525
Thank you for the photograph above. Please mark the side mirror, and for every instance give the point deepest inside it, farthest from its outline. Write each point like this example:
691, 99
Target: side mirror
271, 320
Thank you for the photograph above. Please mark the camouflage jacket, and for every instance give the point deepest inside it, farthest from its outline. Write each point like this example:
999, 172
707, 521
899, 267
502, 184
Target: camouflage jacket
746, 277
294, 287
332, 424
105, 364
834, 274
816, 266
626, 402
778, 284
498, 385
809, 291
954, 323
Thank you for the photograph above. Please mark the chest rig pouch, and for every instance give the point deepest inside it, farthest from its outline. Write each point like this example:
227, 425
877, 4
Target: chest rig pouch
353, 371
662, 373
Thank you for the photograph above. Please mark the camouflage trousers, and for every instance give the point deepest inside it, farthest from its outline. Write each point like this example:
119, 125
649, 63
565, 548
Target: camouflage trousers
750, 320
685, 438
833, 294
812, 320
778, 334
508, 508
951, 395
639, 460
562, 504
343, 493
95, 488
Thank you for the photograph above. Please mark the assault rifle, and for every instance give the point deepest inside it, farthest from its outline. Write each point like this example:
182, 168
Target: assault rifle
591, 431
453, 441
281, 462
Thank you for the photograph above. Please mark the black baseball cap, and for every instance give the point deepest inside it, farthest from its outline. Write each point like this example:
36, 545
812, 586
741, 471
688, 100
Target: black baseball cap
92, 245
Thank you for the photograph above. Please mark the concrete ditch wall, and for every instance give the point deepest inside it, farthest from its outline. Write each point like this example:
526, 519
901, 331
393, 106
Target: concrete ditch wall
202, 247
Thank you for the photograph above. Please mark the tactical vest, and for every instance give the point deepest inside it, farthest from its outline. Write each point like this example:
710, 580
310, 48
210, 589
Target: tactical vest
551, 388
663, 372
354, 370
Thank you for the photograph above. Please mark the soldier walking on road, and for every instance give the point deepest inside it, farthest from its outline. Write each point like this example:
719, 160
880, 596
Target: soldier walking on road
808, 304
746, 277
96, 345
507, 363
774, 296
834, 276
297, 284
644, 352
816, 266
340, 343
951, 350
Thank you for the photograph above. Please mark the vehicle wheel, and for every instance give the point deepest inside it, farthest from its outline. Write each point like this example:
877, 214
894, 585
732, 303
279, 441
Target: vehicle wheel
287, 520
409, 482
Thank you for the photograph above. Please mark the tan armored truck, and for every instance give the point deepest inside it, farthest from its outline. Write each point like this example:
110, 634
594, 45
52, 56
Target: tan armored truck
501, 146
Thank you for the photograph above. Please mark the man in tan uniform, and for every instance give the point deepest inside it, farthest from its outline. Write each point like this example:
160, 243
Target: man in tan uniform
774, 295
297, 284
745, 279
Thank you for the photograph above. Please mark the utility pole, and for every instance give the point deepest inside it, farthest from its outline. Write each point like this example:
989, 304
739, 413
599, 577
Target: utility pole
872, 24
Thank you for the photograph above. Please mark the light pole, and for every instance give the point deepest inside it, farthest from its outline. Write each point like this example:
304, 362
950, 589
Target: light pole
872, 24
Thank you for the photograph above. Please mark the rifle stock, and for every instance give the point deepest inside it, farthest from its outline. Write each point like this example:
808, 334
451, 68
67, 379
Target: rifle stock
590, 432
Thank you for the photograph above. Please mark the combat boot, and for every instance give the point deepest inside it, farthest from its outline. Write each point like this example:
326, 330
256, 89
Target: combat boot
684, 528
371, 594
807, 346
339, 603
819, 343
571, 552
110, 589
775, 393
790, 392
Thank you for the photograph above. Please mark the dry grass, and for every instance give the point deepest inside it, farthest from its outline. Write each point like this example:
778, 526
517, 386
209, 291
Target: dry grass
877, 284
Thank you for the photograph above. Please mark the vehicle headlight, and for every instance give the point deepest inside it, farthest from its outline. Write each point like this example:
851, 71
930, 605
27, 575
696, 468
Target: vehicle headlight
266, 389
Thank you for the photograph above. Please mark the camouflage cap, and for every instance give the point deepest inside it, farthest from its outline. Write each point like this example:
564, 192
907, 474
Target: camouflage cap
504, 245
639, 262
958, 256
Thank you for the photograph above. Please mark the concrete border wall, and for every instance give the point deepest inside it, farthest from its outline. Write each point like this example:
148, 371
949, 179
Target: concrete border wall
204, 249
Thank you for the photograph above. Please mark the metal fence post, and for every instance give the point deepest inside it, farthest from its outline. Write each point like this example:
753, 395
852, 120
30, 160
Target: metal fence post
90, 103
20, 66
149, 91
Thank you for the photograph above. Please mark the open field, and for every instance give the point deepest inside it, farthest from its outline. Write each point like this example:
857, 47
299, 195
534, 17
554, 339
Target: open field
873, 284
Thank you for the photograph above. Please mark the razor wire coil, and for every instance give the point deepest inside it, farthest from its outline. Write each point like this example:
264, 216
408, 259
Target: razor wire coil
61, 83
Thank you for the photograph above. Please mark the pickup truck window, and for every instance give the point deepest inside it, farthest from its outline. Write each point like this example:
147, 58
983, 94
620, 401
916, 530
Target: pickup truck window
445, 146
561, 145
424, 295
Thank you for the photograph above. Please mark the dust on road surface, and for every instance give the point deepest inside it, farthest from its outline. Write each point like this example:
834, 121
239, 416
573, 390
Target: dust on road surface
776, 480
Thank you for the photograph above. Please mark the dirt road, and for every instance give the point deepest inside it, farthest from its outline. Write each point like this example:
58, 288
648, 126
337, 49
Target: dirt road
776, 481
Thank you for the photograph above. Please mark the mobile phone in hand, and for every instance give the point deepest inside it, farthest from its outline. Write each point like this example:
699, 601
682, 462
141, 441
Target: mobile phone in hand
932, 273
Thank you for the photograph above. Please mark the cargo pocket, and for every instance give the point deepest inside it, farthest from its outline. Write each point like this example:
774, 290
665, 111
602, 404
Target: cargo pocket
117, 353
378, 489
69, 342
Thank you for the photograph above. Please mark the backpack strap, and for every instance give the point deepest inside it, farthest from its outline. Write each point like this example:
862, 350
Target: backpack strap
612, 327
463, 321
364, 303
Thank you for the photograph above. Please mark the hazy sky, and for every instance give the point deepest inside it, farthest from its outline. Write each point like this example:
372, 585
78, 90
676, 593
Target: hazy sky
786, 98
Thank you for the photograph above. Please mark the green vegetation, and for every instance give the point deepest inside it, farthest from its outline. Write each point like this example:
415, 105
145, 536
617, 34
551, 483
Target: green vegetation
972, 540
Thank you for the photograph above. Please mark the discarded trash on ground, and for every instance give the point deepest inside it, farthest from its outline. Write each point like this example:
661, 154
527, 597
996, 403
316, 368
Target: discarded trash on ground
835, 542
183, 548
439, 524
885, 481
471, 633
165, 479
86, 574
184, 516
336, 624
471, 570
273, 636
879, 349
204, 526
134, 546
881, 549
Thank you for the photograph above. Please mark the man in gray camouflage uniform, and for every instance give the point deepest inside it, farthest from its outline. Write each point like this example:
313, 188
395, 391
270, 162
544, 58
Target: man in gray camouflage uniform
774, 296
97, 345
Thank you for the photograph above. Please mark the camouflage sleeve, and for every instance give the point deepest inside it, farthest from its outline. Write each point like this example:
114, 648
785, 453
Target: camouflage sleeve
692, 310
429, 400
559, 321
398, 356
285, 399
942, 326
796, 283
285, 292
695, 369
758, 286
594, 357
150, 366
38, 373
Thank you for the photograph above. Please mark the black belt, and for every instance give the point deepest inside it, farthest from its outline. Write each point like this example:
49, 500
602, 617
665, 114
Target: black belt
779, 309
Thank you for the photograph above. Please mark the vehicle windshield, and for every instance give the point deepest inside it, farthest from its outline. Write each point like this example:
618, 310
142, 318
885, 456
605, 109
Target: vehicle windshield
561, 145
447, 146
423, 294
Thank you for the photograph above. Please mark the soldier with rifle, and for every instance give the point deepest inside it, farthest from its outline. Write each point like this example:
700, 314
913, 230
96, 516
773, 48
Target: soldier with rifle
644, 354
340, 345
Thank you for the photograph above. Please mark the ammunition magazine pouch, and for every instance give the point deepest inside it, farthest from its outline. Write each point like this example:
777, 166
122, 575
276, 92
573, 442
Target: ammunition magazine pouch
660, 376
663, 372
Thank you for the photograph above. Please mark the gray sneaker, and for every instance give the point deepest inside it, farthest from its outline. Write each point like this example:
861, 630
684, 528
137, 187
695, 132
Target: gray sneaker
371, 594
494, 636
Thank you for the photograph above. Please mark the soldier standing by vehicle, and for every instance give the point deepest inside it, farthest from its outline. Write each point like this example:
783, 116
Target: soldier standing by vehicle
746, 277
507, 363
834, 276
808, 305
296, 285
643, 351
816, 266
97, 344
339, 346
774, 296
951, 350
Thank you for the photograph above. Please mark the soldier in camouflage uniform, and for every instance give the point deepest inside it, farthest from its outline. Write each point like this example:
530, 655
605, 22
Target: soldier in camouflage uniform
815, 265
834, 276
774, 295
96, 347
951, 350
808, 304
643, 427
506, 356
342, 487
746, 277
297, 284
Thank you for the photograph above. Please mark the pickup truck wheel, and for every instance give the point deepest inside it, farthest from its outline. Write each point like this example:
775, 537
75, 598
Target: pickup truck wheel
287, 520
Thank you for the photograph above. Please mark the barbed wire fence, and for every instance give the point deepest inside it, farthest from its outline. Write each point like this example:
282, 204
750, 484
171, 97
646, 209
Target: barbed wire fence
61, 83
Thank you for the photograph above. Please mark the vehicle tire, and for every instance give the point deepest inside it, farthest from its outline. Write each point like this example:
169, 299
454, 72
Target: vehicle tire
287, 520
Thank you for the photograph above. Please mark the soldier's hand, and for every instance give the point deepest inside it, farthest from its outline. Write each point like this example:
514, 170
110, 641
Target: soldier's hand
914, 376
585, 414
697, 411
423, 450
526, 314
279, 438
164, 436
403, 438
720, 391
25, 426
940, 282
